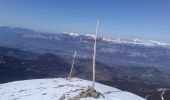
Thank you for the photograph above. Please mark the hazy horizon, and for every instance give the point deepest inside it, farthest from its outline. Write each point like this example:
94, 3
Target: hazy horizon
146, 19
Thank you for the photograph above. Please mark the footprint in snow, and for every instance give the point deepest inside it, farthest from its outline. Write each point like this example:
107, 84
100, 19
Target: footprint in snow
44, 94
55, 81
16, 98
3, 93
22, 90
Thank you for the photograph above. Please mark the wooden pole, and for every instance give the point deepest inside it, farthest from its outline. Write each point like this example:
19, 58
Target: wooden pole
94, 56
162, 95
71, 70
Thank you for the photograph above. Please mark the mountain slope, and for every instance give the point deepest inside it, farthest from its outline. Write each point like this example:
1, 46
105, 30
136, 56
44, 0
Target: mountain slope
17, 64
53, 89
144, 68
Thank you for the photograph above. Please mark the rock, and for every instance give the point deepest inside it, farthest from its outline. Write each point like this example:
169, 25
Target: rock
89, 93
62, 97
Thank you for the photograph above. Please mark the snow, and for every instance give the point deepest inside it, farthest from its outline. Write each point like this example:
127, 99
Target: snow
90, 35
72, 34
135, 42
107, 39
158, 43
148, 43
53, 89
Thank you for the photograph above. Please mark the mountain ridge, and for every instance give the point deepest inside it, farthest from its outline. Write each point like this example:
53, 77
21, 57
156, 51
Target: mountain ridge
126, 41
113, 40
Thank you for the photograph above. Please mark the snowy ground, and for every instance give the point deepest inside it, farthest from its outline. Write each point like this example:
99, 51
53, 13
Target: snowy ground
53, 89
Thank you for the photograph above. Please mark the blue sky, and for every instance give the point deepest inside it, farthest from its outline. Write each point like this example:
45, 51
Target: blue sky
143, 19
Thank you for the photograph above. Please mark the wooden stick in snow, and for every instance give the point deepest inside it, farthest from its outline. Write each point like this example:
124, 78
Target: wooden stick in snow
162, 95
94, 56
71, 70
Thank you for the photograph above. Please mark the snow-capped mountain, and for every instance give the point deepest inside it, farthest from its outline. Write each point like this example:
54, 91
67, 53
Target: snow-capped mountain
132, 51
71, 34
32, 34
129, 61
136, 42
54, 89
123, 41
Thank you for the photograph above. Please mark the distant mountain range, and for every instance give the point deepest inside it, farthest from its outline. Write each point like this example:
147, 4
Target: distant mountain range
109, 51
142, 65
124, 41
32, 34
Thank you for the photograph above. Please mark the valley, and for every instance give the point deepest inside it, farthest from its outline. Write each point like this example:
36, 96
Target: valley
141, 67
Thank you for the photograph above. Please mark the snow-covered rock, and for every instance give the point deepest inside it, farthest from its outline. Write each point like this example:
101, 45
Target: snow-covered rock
53, 89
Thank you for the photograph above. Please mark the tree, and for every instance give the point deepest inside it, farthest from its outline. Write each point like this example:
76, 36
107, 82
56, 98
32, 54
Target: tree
71, 70
94, 56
